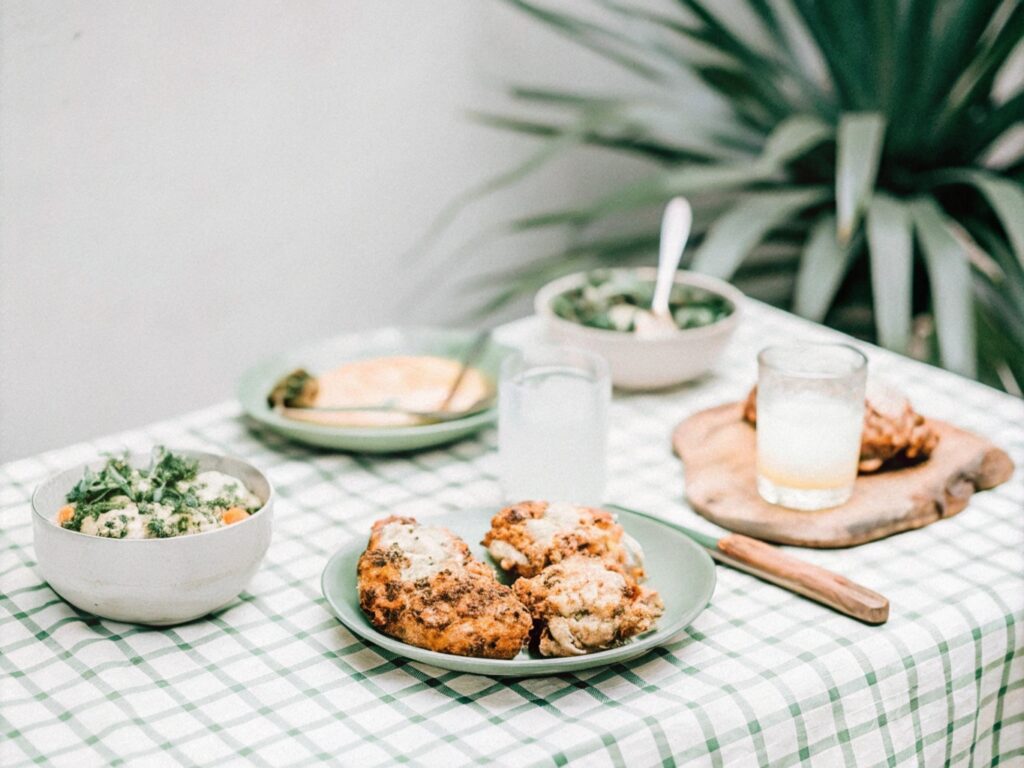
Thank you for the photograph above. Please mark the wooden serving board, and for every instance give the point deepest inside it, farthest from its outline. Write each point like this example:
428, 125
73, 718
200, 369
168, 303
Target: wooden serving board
718, 449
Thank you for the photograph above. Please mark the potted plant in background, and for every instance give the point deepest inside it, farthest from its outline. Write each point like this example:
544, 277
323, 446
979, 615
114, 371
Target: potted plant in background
864, 158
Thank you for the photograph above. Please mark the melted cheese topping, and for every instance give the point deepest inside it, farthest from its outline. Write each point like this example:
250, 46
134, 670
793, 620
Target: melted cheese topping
501, 550
559, 516
587, 586
429, 550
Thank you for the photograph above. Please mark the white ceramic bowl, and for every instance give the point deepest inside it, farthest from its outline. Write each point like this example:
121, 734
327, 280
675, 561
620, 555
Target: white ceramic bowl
640, 363
151, 581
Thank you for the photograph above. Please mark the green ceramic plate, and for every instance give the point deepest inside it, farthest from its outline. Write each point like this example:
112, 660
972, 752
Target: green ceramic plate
325, 355
678, 568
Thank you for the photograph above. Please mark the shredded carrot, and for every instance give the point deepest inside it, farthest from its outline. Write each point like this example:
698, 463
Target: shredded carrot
234, 515
65, 513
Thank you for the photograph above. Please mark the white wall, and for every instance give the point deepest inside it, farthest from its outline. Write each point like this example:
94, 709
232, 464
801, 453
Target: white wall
186, 187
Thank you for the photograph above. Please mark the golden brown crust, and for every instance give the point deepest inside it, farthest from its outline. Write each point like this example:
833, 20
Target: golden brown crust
595, 534
461, 609
583, 604
894, 433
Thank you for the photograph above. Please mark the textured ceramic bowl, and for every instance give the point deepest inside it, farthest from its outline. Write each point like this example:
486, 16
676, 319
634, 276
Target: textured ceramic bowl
640, 363
151, 581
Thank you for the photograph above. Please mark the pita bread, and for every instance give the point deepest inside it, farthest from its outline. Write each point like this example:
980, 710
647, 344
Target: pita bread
416, 383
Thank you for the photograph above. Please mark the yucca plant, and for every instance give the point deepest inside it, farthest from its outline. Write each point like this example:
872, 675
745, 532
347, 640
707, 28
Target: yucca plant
861, 157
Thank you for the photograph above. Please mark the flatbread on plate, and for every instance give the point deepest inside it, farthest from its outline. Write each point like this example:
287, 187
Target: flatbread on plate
415, 383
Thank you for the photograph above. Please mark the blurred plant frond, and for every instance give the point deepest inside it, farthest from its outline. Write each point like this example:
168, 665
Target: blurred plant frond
851, 145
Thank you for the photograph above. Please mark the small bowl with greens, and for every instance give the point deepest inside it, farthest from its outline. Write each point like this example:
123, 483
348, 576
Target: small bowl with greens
158, 538
607, 311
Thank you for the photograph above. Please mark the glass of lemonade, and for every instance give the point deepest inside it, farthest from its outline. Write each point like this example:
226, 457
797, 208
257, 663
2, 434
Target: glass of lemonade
810, 415
553, 425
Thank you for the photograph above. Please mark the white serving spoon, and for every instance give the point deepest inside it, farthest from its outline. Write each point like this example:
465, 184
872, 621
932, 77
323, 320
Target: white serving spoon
675, 231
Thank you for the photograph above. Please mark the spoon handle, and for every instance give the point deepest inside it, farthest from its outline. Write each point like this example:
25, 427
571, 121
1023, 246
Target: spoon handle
675, 230
475, 349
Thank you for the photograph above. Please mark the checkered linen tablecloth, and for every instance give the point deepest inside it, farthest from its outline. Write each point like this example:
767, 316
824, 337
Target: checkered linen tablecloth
762, 676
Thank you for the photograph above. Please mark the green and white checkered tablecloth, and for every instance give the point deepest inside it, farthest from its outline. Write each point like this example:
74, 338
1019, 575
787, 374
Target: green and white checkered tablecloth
762, 677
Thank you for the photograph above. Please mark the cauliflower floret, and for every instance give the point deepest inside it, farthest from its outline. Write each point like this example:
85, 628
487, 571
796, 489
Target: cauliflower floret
121, 523
210, 486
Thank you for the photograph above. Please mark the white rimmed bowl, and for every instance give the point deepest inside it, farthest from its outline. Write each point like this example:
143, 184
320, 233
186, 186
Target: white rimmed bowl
151, 581
641, 363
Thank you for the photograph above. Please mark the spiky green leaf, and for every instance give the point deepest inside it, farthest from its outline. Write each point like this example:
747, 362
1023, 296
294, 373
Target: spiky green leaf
928, 66
859, 150
640, 145
793, 137
732, 237
891, 245
822, 267
1007, 201
956, 44
975, 84
846, 74
949, 275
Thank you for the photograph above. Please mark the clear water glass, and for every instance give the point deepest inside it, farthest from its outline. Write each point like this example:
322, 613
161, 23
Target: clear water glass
553, 425
810, 415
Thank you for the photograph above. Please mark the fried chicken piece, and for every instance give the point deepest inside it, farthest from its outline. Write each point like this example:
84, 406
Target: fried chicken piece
583, 604
421, 585
527, 536
894, 433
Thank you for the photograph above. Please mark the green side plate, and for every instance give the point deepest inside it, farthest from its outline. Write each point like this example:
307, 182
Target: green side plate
259, 380
681, 570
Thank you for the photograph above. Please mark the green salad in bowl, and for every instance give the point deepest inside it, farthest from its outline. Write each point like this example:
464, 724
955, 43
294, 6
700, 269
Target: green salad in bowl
616, 300
607, 311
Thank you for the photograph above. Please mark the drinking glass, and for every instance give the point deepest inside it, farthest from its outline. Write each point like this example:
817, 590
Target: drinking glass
553, 425
810, 415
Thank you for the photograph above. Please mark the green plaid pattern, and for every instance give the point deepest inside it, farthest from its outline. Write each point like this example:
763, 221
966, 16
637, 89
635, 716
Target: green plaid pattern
762, 677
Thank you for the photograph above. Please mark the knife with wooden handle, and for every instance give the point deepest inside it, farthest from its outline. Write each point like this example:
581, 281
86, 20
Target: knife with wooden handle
773, 565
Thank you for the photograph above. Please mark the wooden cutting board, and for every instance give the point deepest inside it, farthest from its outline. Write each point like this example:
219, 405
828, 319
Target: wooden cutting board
718, 450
